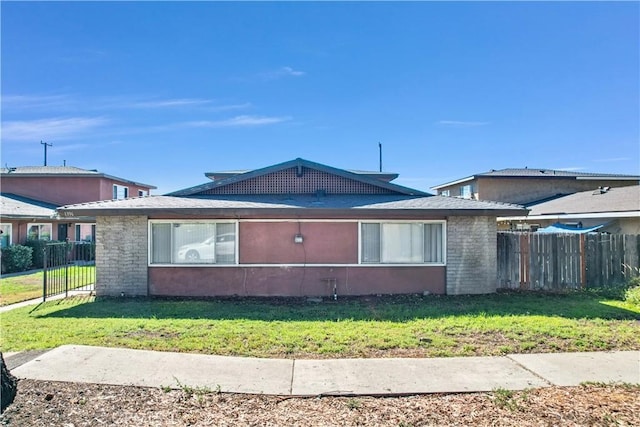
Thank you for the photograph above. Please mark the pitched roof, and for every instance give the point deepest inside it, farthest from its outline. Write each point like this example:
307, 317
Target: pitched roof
541, 173
68, 171
601, 200
232, 178
14, 206
384, 176
232, 205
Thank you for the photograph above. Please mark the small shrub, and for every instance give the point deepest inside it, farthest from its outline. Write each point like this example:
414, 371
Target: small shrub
16, 258
634, 282
38, 251
632, 295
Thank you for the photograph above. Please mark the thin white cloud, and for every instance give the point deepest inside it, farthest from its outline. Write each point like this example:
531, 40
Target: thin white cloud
31, 102
65, 102
461, 123
49, 129
288, 71
230, 107
281, 73
239, 121
167, 103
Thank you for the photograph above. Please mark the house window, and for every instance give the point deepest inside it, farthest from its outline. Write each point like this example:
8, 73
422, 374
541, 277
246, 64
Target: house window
466, 192
85, 232
402, 242
39, 232
120, 192
142, 193
5, 236
193, 242
446, 193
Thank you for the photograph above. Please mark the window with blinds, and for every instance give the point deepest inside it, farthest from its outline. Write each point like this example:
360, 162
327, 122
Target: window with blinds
402, 243
202, 242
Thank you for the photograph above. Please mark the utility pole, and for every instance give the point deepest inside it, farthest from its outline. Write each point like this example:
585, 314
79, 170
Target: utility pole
45, 151
380, 150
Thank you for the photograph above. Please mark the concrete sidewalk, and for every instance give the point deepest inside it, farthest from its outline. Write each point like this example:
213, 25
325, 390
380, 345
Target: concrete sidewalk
36, 301
286, 377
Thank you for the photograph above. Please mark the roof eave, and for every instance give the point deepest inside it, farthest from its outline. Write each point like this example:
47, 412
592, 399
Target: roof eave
270, 212
458, 181
587, 215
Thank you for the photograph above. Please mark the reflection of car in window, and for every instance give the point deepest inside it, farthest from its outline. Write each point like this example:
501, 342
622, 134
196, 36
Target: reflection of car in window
222, 246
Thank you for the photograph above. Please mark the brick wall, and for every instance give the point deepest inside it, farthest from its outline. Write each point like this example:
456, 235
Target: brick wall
121, 256
471, 255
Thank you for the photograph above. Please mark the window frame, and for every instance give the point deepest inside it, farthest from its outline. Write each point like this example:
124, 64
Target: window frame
466, 191
443, 224
40, 225
7, 231
151, 222
78, 230
125, 192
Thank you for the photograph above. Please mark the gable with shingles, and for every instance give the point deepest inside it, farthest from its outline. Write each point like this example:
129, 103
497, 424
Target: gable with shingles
297, 176
298, 181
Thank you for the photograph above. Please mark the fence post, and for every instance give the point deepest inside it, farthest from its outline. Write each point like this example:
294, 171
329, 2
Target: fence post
44, 273
583, 262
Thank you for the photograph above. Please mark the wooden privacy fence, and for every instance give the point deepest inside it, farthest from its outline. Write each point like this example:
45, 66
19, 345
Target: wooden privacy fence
566, 261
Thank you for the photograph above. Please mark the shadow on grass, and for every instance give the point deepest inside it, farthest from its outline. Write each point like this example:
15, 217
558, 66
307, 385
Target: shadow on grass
579, 305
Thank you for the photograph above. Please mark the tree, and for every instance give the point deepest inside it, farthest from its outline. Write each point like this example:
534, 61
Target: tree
9, 385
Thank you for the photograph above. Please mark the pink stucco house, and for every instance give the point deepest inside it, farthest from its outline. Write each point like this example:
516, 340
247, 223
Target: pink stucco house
298, 228
30, 195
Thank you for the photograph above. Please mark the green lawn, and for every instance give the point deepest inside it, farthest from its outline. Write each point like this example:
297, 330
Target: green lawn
403, 326
29, 286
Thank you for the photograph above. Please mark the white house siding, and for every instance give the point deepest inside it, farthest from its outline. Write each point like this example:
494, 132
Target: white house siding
121, 255
471, 255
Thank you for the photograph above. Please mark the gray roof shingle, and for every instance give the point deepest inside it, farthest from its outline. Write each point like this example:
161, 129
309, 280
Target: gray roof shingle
541, 173
35, 171
342, 203
615, 199
14, 206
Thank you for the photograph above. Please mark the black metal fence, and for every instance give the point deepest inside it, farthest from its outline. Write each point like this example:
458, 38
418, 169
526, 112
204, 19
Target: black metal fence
68, 266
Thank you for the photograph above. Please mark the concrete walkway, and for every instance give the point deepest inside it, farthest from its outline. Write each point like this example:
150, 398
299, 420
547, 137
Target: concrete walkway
286, 377
37, 301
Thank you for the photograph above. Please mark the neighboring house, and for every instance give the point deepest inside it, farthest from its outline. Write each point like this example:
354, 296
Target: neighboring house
30, 195
23, 217
528, 185
605, 209
297, 228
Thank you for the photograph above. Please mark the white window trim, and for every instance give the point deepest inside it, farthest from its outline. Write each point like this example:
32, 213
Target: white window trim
420, 264
40, 224
125, 191
359, 264
75, 229
194, 221
9, 231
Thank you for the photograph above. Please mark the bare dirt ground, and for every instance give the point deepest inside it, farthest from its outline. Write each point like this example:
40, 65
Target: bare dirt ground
43, 403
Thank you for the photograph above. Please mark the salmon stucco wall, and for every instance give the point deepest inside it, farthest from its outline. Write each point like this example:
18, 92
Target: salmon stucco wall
122, 263
322, 243
294, 281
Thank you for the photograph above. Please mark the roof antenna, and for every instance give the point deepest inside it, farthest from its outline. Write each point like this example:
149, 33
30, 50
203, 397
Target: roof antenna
45, 151
380, 150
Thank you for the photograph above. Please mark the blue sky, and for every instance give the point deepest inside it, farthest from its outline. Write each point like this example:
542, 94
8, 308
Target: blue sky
163, 92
